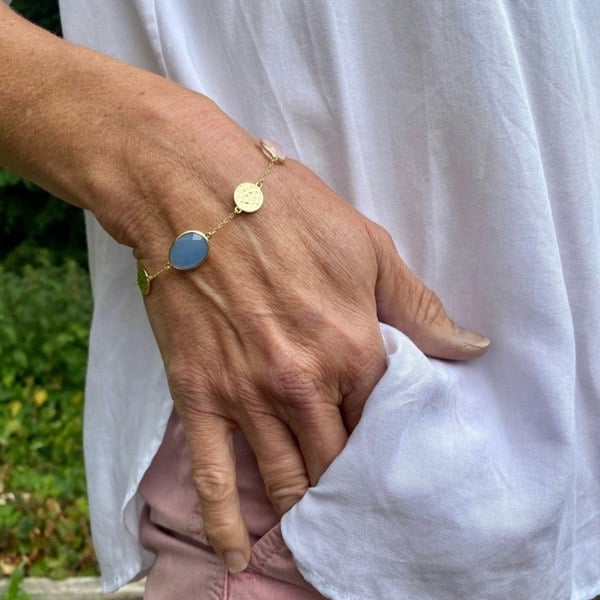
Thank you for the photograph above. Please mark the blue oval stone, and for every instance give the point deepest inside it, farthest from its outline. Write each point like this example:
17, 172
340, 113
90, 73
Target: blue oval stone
188, 250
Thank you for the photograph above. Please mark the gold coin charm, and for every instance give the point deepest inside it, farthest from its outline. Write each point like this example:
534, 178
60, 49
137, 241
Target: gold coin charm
248, 197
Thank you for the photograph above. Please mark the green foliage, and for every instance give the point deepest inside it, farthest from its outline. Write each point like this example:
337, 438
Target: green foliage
45, 307
13, 591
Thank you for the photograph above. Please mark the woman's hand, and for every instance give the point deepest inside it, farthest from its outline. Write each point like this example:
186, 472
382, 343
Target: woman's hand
277, 332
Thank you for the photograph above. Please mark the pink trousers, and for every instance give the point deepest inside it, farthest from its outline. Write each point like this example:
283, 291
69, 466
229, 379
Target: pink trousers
186, 566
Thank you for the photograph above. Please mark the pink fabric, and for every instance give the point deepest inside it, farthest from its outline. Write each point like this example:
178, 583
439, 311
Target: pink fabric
171, 527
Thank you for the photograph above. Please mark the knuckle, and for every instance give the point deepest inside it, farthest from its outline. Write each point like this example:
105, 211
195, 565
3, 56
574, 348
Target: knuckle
369, 366
184, 378
296, 383
368, 363
285, 495
365, 349
214, 485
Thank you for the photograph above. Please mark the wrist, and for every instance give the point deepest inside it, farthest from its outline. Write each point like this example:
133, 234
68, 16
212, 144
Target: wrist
191, 248
149, 158
189, 184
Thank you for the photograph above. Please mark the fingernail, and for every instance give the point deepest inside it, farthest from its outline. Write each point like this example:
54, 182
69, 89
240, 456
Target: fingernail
234, 561
472, 339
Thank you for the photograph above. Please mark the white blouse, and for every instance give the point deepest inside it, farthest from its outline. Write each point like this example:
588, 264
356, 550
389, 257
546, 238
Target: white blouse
470, 130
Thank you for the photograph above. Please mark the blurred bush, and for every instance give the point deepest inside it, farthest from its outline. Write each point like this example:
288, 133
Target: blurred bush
45, 307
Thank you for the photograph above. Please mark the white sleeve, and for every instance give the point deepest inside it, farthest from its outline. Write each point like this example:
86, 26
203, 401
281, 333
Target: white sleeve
429, 499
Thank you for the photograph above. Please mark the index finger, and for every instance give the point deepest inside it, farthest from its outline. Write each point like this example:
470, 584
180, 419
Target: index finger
210, 444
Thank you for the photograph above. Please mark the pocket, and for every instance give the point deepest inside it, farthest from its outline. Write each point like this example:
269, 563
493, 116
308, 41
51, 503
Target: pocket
272, 558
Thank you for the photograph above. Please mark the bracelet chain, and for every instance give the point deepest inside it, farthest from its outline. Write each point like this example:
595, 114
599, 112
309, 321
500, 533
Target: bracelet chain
144, 278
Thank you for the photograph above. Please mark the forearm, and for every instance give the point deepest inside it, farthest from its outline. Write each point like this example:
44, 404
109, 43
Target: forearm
71, 119
46, 98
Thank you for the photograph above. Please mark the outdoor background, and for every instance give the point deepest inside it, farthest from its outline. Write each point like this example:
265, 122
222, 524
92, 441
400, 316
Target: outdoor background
45, 310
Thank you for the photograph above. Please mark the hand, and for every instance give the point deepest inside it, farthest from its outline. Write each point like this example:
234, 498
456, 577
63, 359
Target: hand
277, 332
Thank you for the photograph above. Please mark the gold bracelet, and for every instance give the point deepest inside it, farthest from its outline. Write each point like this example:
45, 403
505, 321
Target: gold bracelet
190, 248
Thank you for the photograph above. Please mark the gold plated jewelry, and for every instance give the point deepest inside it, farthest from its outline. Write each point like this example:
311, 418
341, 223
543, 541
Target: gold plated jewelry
248, 197
190, 248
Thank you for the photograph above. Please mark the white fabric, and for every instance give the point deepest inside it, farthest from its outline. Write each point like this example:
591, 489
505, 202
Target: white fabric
470, 131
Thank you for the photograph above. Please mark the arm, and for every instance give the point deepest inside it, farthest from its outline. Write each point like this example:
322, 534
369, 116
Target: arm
290, 300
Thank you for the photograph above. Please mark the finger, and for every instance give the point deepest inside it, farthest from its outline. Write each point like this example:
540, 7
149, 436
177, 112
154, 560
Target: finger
279, 460
406, 303
362, 384
321, 435
213, 466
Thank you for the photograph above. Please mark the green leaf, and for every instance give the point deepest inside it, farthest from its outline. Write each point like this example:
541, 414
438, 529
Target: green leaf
13, 591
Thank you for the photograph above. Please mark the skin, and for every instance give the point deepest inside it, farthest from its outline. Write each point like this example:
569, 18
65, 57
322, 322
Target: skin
289, 299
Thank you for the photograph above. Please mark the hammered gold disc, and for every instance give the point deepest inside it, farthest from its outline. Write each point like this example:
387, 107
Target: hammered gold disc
248, 197
143, 281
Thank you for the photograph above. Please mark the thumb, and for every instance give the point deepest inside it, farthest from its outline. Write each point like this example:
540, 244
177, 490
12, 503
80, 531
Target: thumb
406, 303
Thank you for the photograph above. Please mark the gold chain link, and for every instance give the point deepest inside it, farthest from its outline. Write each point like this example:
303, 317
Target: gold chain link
165, 268
259, 183
226, 220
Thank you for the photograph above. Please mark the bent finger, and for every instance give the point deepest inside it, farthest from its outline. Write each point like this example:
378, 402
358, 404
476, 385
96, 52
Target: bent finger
213, 467
362, 385
321, 436
279, 460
